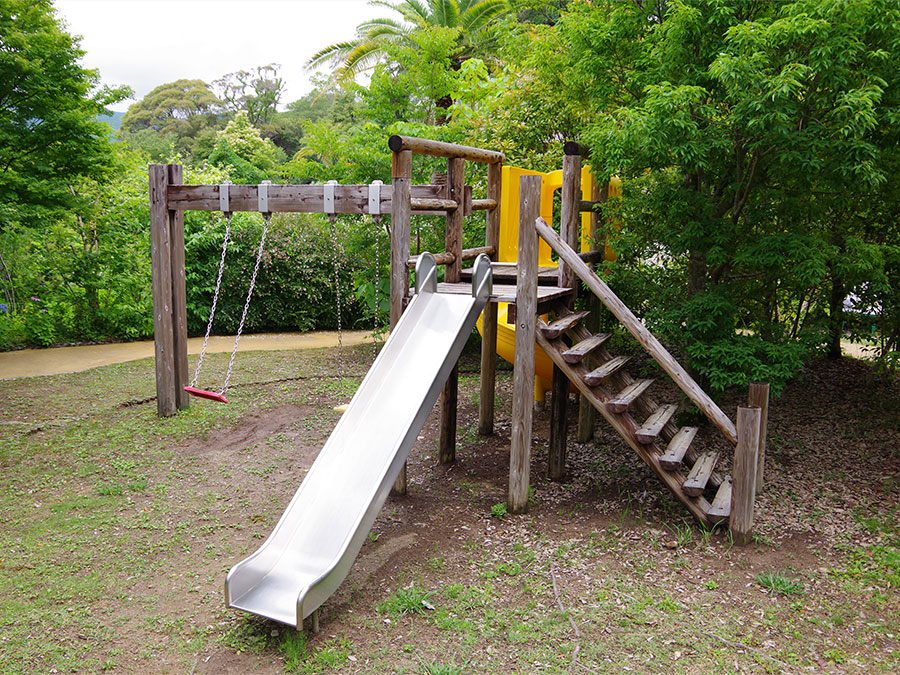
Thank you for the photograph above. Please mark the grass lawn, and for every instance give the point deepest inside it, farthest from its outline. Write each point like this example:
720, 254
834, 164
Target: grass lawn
119, 527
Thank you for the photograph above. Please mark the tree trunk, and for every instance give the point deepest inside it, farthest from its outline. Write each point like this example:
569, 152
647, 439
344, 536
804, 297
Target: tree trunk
836, 316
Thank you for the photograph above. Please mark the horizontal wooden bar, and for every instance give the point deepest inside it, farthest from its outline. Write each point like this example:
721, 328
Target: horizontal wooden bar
484, 204
592, 256
447, 258
439, 259
433, 204
575, 148
423, 146
472, 253
289, 198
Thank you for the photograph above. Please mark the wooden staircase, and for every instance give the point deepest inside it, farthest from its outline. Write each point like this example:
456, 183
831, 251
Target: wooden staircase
646, 425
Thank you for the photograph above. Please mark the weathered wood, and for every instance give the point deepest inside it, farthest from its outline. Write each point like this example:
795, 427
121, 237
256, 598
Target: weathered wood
586, 413
484, 204
449, 400
401, 180
696, 480
161, 279
647, 340
653, 425
447, 258
554, 330
576, 148
486, 398
179, 294
720, 508
625, 426
759, 397
422, 146
559, 425
577, 353
604, 370
419, 204
523, 366
678, 446
569, 213
507, 293
628, 396
592, 256
743, 489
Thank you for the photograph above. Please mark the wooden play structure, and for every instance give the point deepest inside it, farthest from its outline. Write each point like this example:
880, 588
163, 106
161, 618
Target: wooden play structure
526, 289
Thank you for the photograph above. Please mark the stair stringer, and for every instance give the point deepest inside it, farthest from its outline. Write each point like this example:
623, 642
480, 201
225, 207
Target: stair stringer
625, 425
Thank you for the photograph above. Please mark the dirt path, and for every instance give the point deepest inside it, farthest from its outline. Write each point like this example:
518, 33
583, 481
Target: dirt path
58, 360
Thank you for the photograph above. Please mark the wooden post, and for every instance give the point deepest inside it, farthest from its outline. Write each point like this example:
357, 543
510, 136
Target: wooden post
559, 425
587, 415
523, 368
452, 273
179, 295
489, 315
743, 486
401, 172
161, 269
759, 397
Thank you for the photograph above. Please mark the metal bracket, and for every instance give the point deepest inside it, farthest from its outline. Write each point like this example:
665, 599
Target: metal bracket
375, 198
328, 195
263, 196
224, 197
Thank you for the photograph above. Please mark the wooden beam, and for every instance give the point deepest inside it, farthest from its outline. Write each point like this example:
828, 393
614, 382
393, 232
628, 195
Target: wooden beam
569, 214
179, 294
401, 179
759, 397
743, 486
161, 273
559, 425
575, 148
423, 146
447, 258
486, 397
485, 204
647, 340
523, 367
419, 204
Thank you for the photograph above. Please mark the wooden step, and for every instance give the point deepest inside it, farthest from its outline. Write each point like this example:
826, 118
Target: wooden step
578, 352
720, 509
696, 481
628, 396
555, 329
679, 445
654, 424
597, 375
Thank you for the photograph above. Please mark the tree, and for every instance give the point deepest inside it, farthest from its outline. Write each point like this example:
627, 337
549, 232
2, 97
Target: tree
256, 92
49, 131
251, 157
475, 19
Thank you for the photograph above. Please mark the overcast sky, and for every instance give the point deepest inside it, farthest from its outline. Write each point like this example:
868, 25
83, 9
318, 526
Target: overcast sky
146, 43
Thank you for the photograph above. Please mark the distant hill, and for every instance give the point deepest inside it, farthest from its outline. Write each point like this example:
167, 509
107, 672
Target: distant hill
114, 119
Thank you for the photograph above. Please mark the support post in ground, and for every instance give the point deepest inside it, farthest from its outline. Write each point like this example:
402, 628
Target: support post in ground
489, 315
161, 274
179, 294
743, 486
759, 397
401, 211
452, 273
523, 367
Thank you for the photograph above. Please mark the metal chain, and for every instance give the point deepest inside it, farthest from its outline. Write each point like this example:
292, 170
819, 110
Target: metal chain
337, 292
262, 240
215, 301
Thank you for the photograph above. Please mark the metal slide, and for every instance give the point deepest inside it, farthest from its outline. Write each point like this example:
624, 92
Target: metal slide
311, 549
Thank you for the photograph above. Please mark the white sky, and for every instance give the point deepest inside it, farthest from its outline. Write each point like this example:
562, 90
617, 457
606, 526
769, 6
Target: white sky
145, 43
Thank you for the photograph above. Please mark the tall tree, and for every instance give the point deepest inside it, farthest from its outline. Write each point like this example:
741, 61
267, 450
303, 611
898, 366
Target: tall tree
257, 92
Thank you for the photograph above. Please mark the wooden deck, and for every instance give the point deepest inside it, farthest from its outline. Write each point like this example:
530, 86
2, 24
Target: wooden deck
505, 273
506, 292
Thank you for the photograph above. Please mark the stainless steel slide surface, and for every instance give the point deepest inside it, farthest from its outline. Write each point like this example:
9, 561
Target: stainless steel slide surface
311, 549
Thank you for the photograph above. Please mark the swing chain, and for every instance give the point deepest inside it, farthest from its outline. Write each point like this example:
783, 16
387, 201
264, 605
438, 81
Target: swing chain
215, 300
332, 218
376, 220
267, 217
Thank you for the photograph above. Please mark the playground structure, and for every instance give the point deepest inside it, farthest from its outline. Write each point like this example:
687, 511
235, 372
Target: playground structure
312, 547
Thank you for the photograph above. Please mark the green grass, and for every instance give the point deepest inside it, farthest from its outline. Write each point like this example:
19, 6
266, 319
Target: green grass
409, 599
779, 583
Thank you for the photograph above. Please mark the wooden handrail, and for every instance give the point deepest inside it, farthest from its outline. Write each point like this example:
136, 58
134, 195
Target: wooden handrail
419, 204
448, 258
647, 340
424, 146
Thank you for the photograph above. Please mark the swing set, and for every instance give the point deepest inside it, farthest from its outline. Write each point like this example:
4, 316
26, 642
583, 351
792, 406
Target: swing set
336, 248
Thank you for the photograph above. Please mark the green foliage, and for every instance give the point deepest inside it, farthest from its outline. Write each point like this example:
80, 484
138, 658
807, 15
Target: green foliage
255, 93
498, 510
408, 600
250, 157
779, 583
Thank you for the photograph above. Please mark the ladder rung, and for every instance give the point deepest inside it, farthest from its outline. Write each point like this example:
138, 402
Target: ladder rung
597, 375
578, 352
628, 396
679, 445
720, 509
654, 424
555, 329
695, 483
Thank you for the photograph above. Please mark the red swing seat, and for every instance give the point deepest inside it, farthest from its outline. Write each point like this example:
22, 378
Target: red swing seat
203, 393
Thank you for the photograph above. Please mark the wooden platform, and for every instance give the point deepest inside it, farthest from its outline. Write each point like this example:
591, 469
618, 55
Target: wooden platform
505, 273
506, 292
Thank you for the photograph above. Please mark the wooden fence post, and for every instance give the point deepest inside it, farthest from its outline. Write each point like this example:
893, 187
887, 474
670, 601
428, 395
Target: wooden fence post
161, 270
523, 367
456, 181
759, 397
179, 295
743, 490
489, 315
401, 172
